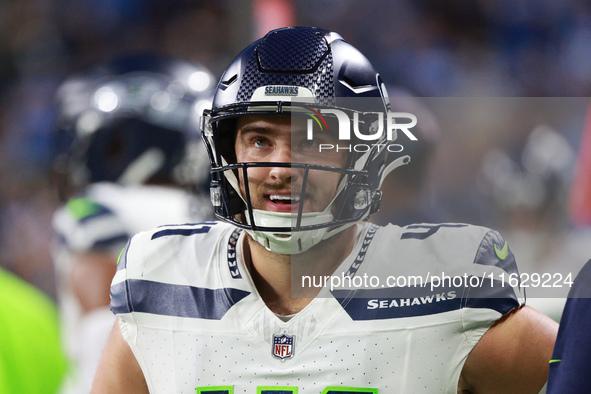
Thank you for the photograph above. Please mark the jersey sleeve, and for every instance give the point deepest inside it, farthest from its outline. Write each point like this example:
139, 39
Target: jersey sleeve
163, 276
499, 287
120, 297
84, 225
497, 291
161, 271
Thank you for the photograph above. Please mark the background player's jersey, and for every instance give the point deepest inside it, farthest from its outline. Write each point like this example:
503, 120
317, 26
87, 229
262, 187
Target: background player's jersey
195, 322
569, 367
103, 219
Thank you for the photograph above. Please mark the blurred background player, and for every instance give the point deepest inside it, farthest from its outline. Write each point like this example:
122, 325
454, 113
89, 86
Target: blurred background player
570, 361
569, 366
129, 149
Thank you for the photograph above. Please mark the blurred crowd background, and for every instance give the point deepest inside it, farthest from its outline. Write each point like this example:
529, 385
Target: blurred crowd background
507, 82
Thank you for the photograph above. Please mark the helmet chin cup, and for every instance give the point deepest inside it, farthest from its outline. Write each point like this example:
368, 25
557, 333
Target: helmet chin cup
289, 242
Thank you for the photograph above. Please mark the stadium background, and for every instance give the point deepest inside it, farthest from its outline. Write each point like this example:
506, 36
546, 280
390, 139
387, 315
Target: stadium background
434, 49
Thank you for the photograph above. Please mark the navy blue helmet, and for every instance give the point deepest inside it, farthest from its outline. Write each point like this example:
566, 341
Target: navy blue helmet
292, 71
132, 120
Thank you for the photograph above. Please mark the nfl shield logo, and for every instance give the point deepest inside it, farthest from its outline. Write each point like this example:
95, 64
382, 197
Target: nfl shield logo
283, 346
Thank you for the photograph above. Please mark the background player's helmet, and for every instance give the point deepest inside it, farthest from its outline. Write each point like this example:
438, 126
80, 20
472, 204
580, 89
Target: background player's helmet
132, 120
291, 71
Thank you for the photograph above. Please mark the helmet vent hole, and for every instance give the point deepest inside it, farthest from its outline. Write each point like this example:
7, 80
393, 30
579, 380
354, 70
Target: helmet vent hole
351, 83
230, 81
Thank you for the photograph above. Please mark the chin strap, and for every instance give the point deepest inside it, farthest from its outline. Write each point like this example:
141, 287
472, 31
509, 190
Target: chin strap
232, 180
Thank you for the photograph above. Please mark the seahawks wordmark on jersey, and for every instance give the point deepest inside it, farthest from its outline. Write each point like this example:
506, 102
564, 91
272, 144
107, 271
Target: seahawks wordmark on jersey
196, 323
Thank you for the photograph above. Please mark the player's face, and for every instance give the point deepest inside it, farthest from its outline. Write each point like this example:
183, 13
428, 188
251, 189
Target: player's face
277, 139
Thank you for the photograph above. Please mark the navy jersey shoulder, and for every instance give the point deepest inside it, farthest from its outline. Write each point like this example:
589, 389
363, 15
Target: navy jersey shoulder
569, 366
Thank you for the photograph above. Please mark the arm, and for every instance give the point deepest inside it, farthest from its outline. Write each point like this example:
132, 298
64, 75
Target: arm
91, 277
118, 371
512, 356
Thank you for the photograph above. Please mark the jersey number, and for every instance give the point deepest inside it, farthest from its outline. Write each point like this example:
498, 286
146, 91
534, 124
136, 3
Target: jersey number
204, 229
285, 390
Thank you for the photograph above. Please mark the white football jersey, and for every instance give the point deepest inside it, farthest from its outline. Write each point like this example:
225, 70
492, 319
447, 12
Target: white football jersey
103, 219
196, 323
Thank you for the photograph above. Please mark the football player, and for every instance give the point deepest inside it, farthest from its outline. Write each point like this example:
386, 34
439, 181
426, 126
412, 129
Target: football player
130, 150
214, 307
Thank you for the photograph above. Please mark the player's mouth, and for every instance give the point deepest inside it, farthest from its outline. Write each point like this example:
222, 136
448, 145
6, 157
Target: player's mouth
283, 202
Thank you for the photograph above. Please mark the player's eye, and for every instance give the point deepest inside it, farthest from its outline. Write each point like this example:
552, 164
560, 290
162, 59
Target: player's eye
309, 143
260, 142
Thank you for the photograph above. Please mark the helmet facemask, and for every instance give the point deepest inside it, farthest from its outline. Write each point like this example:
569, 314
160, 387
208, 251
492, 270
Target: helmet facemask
310, 218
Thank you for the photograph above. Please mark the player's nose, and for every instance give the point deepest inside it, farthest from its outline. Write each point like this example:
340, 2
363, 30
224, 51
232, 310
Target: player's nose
284, 173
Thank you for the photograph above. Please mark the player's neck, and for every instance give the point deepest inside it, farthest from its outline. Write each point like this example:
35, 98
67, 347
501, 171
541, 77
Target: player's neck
273, 274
